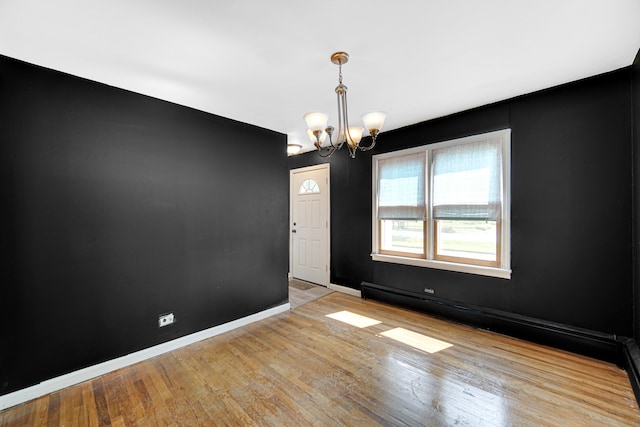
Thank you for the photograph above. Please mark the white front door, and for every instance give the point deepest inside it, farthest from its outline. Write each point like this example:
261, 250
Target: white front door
309, 224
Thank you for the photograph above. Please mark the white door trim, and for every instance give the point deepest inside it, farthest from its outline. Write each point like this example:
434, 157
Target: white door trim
292, 193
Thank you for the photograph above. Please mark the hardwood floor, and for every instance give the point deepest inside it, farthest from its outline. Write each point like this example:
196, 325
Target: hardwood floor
303, 368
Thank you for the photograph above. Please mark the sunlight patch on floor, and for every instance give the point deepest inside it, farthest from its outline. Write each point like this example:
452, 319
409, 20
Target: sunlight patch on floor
405, 336
353, 319
416, 340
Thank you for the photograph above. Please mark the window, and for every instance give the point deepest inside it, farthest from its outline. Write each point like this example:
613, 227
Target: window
401, 204
308, 186
445, 205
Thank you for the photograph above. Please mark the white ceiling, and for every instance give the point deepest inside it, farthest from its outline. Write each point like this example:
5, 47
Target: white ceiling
267, 63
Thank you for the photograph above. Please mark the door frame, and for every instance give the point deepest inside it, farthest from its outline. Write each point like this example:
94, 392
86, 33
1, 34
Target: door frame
292, 193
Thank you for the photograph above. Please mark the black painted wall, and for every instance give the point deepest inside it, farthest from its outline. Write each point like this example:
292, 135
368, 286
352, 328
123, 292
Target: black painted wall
571, 244
116, 208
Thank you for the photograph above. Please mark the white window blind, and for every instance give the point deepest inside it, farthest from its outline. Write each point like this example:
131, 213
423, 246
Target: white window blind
467, 181
401, 191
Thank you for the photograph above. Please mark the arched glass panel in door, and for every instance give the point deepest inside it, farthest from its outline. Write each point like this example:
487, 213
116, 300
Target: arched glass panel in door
309, 186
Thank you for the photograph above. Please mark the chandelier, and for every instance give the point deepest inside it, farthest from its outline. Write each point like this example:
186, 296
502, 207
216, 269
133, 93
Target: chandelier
317, 122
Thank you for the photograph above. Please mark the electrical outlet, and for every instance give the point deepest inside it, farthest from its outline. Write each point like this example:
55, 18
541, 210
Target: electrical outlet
165, 320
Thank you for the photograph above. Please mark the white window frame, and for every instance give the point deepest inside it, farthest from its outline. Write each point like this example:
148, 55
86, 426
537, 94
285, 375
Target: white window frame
504, 271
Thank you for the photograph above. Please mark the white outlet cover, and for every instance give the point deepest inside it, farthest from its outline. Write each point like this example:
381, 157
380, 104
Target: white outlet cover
166, 319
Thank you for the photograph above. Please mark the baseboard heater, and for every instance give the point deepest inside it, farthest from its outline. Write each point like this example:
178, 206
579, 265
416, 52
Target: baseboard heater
622, 351
603, 346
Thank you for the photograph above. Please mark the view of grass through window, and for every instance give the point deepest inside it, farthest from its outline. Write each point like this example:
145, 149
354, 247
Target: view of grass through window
402, 236
407, 234
474, 239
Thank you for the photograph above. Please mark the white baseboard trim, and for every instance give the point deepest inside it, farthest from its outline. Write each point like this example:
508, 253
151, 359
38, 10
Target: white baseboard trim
345, 290
76, 377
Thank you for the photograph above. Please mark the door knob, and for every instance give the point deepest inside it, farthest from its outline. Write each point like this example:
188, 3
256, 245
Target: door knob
293, 231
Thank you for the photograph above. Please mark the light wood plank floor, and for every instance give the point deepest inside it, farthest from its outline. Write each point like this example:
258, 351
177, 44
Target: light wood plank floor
303, 368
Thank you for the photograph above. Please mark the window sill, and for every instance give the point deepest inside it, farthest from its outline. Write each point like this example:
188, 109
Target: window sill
441, 265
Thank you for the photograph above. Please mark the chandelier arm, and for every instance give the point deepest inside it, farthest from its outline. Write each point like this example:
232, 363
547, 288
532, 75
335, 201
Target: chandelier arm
329, 131
368, 147
329, 151
335, 146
